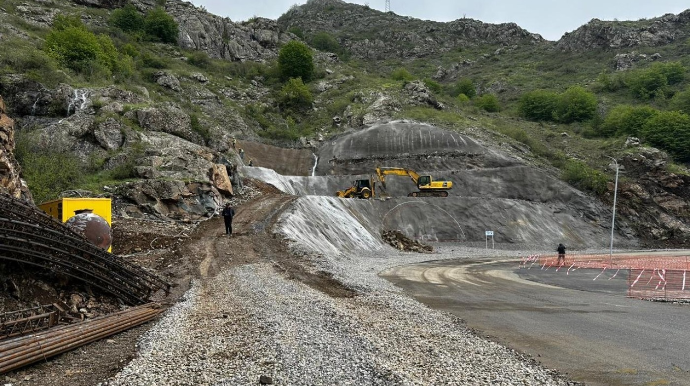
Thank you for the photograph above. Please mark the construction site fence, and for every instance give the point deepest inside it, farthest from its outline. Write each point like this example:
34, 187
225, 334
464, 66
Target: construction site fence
648, 277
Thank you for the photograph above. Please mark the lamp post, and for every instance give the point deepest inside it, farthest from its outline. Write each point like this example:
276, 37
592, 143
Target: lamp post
613, 218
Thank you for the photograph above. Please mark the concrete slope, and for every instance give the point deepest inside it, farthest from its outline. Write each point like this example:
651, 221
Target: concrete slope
328, 224
404, 144
521, 204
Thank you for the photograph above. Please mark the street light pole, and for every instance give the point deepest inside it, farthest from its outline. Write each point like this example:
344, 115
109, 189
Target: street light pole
613, 218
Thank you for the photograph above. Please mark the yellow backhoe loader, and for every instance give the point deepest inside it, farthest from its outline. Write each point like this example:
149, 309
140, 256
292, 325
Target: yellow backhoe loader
360, 189
428, 187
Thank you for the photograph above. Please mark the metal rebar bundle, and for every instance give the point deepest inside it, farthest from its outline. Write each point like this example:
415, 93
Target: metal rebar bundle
30, 236
22, 351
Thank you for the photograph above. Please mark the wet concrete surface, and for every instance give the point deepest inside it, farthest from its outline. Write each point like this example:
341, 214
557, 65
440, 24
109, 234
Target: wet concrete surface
585, 328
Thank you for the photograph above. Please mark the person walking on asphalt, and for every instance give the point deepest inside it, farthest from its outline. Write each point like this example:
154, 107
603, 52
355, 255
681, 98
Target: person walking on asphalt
561, 253
228, 213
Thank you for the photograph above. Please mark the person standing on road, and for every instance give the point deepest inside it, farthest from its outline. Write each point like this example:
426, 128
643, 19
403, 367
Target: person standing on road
561, 253
228, 213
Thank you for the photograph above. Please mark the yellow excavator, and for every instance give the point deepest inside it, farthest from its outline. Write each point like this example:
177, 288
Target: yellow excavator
428, 187
359, 189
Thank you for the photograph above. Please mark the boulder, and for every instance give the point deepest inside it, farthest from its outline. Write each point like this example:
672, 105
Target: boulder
220, 179
167, 80
168, 119
109, 135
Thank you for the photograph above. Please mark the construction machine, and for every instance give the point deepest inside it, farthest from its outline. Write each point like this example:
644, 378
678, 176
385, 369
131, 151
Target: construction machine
360, 189
428, 187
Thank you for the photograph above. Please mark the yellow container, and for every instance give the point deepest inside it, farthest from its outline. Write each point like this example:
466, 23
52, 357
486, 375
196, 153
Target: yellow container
64, 208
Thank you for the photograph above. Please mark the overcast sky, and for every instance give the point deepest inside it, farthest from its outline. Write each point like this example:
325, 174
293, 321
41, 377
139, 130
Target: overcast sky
549, 18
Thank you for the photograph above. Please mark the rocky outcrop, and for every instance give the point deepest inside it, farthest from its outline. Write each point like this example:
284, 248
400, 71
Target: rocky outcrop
654, 200
10, 183
371, 34
616, 35
175, 200
420, 94
101, 3
255, 40
169, 118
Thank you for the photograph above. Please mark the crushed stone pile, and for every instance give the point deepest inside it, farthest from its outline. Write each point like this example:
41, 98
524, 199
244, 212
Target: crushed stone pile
398, 240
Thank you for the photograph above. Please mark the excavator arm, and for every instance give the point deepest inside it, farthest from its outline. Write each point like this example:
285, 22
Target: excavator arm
382, 172
426, 184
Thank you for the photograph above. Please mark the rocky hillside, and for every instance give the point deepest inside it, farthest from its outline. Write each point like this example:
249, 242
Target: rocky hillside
374, 35
598, 34
160, 139
10, 183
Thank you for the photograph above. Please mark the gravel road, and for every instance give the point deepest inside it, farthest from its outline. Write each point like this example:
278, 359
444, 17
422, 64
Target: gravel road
250, 321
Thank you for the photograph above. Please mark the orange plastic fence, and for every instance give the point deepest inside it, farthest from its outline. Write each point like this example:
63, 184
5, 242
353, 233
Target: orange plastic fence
649, 277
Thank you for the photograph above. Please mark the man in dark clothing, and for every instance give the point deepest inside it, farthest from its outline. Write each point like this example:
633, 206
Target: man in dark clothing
561, 253
228, 213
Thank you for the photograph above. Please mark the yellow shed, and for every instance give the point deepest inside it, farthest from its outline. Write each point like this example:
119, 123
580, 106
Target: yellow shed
65, 208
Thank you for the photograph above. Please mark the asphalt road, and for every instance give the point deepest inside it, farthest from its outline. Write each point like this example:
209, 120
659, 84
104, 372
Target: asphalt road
584, 328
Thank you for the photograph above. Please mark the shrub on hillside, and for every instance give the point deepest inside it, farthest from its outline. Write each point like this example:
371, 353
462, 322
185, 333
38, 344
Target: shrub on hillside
626, 120
583, 177
681, 102
323, 41
200, 59
47, 172
295, 60
488, 102
433, 85
673, 71
159, 26
647, 84
463, 86
295, 95
670, 131
575, 105
401, 73
297, 31
127, 19
538, 105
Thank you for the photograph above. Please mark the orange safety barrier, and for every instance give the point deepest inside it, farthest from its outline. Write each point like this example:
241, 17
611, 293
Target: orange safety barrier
649, 277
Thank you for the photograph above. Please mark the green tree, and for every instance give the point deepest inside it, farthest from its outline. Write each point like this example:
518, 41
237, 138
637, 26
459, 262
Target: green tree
463, 86
295, 95
127, 19
488, 102
670, 131
538, 105
626, 120
295, 60
159, 26
681, 102
575, 105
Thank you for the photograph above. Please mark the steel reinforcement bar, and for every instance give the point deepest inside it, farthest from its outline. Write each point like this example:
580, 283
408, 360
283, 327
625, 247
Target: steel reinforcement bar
30, 236
19, 352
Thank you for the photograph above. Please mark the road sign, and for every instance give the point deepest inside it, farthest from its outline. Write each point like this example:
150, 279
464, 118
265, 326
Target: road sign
489, 233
